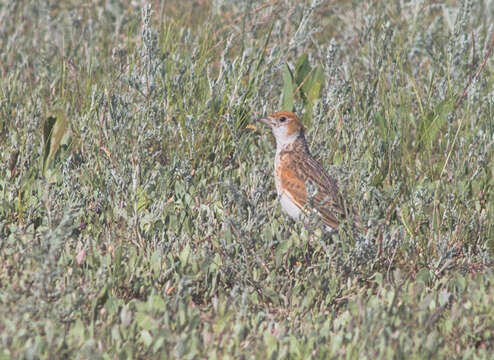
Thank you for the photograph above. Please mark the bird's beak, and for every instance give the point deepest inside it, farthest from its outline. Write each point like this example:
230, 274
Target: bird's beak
265, 121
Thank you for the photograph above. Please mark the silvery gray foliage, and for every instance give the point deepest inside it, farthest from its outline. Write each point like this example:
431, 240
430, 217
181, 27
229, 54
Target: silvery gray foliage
336, 90
180, 224
306, 27
364, 252
459, 42
144, 77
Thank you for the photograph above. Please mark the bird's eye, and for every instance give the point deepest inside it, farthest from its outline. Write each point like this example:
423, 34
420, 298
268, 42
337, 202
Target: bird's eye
282, 119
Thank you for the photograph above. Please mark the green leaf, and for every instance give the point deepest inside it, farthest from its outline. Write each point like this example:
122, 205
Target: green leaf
444, 296
459, 283
271, 344
144, 321
146, 337
381, 124
156, 262
47, 131
184, 254
433, 123
315, 85
158, 344
312, 90
53, 131
302, 69
142, 199
288, 89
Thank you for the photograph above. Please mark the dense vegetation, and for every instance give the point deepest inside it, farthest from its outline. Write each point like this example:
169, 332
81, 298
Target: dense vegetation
138, 214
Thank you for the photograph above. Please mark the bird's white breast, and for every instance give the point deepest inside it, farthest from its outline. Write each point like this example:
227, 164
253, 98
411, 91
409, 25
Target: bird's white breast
290, 207
286, 203
276, 180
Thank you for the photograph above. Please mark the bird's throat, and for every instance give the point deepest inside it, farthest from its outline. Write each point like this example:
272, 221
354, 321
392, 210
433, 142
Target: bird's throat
296, 143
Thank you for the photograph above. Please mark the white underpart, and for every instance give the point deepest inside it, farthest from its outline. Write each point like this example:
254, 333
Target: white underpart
289, 206
283, 140
294, 211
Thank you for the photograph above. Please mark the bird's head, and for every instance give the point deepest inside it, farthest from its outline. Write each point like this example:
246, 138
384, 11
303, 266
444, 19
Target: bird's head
286, 127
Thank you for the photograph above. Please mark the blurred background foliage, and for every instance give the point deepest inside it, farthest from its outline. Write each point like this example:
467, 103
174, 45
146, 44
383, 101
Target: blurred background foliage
138, 216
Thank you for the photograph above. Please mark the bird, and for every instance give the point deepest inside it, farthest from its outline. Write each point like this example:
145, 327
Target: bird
295, 168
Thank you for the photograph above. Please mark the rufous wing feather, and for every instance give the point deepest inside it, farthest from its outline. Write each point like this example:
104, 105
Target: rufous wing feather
295, 173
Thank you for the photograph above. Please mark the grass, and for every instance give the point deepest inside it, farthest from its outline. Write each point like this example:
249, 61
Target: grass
138, 216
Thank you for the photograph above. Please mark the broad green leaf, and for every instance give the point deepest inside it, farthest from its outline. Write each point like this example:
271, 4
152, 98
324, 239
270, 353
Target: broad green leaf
144, 321
47, 131
312, 89
53, 131
317, 79
302, 69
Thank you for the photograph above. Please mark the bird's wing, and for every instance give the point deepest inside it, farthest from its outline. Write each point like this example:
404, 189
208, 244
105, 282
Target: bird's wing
293, 186
296, 172
328, 200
